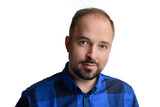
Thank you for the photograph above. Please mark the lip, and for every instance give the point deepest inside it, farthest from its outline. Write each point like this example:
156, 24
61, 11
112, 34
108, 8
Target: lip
89, 65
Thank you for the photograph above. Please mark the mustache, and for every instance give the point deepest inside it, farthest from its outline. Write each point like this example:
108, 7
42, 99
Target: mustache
89, 61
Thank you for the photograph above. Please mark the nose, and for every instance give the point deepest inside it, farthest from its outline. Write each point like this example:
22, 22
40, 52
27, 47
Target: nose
92, 53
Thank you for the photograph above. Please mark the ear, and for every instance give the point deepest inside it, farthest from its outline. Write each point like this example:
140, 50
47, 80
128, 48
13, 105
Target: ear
67, 43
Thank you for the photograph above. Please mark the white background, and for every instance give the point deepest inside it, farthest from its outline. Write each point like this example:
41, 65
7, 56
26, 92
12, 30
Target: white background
32, 34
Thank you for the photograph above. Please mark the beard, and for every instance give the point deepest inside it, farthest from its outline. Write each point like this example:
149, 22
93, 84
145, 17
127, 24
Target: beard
84, 73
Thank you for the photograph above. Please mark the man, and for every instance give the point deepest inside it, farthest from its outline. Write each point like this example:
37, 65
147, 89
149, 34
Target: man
81, 83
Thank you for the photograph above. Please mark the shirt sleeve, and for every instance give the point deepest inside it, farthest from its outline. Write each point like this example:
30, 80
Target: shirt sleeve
135, 102
130, 99
24, 101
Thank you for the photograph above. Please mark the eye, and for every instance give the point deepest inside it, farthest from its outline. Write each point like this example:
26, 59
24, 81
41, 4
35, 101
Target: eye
103, 47
83, 42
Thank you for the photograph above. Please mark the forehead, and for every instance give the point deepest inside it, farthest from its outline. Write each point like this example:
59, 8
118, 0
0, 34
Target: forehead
93, 26
93, 16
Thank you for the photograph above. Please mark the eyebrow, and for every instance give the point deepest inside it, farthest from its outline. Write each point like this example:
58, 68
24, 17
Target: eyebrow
83, 37
105, 42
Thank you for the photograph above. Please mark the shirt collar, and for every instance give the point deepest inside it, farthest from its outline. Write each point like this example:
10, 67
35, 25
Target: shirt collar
68, 81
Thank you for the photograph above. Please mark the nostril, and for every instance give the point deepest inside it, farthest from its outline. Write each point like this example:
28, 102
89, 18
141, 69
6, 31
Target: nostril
89, 57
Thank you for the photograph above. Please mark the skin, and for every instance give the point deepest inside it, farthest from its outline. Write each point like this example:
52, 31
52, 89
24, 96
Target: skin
89, 49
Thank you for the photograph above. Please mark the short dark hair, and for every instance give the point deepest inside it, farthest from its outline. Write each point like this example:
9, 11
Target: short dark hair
80, 13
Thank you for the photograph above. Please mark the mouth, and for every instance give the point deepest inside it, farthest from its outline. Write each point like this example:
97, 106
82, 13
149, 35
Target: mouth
89, 65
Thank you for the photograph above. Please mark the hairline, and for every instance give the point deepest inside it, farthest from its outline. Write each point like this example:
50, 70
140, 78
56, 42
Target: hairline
89, 11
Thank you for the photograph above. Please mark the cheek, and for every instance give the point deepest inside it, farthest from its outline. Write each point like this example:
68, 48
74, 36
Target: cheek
103, 59
77, 54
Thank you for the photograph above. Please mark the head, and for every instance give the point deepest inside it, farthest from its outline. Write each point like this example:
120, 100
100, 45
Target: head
94, 11
89, 42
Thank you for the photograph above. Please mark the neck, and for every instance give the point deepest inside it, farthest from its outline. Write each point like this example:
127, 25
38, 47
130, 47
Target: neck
84, 85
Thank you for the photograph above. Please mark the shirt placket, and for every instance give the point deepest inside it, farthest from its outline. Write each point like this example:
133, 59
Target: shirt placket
86, 101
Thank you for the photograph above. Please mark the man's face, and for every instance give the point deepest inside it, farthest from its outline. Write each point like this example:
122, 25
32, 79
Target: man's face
89, 46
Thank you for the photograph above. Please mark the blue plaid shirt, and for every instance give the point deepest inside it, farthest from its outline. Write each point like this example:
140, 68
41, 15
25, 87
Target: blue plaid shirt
60, 90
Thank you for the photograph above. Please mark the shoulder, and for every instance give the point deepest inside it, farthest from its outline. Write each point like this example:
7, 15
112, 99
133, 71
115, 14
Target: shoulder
120, 91
40, 91
114, 85
45, 84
